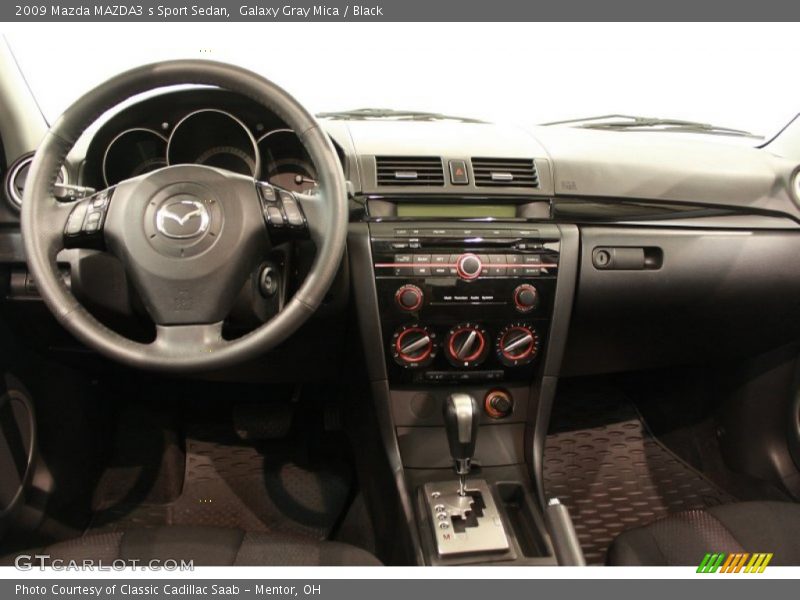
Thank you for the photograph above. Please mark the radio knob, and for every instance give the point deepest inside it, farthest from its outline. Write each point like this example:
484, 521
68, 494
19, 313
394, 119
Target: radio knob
469, 266
409, 297
467, 345
526, 297
517, 345
413, 346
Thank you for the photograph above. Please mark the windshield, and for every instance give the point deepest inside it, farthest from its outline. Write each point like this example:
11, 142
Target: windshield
725, 74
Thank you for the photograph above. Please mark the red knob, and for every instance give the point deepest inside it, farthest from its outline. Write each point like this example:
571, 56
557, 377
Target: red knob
526, 297
466, 345
413, 345
469, 266
517, 344
409, 297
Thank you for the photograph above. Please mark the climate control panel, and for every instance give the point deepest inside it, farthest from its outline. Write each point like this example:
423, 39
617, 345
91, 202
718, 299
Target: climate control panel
463, 305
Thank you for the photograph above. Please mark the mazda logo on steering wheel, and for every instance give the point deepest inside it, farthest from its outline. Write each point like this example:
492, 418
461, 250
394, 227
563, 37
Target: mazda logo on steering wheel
182, 219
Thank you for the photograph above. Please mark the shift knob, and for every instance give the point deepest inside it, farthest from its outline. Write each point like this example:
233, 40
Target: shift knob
461, 422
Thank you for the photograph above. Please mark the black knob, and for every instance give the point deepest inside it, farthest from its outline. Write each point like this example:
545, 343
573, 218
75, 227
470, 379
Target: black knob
414, 346
469, 266
498, 404
517, 345
526, 297
466, 345
409, 297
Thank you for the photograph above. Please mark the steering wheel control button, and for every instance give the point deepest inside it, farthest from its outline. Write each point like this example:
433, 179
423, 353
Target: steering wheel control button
75, 220
526, 298
469, 267
85, 222
458, 172
292, 210
517, 345
413, 346
267, 192
467, 345
498, 404
280, 208
275, 217
409, 298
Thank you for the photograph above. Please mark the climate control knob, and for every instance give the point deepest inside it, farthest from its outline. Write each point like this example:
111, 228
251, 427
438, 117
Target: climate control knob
469, 266
526, 297
413, 346
409, 297
467, 345
517, 345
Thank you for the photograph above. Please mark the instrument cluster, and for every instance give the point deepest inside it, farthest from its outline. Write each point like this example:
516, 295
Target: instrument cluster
264, 149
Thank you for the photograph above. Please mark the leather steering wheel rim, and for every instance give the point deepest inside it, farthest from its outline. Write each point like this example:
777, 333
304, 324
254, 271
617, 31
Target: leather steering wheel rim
190, 350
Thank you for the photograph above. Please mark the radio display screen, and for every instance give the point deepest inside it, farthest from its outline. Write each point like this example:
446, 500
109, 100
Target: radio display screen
499, 211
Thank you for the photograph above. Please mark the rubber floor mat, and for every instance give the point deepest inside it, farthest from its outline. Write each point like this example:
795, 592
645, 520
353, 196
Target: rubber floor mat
230, 483
605, 466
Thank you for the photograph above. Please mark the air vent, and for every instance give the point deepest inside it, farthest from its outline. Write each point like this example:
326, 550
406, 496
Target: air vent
409, 170
18, 175
505, 172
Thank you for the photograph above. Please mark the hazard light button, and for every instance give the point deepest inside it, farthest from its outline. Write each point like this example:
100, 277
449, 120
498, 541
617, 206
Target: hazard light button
458, 172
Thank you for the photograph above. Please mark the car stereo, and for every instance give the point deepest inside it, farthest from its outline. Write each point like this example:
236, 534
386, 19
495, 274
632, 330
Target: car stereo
464, 301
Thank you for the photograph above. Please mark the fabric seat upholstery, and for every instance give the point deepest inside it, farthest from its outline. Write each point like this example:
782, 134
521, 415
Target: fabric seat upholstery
683, 539
206, 546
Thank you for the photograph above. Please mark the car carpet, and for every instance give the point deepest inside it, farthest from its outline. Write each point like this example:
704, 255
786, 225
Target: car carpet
254, 486
603, 463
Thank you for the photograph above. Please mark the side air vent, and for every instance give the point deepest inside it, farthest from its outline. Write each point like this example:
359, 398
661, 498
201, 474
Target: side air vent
18, 175
409, 170
505, 172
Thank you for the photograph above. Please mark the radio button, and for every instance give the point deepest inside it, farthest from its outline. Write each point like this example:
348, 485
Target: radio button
452, 263
422, 264
494, 261
514, 262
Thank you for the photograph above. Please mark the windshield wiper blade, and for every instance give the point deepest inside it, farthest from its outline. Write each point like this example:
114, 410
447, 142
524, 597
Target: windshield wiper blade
364, 114
631, 123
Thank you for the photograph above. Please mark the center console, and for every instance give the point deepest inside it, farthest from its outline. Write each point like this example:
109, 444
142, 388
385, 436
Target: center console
463, 323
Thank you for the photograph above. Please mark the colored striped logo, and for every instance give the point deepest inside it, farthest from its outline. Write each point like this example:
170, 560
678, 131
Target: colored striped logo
734, 563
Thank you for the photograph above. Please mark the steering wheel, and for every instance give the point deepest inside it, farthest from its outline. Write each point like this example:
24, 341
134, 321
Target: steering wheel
187, 235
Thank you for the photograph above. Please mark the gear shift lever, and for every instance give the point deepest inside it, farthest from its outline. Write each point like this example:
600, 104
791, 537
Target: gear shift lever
461, 422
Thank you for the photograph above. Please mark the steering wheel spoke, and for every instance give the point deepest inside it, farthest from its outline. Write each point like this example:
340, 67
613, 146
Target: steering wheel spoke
83, 227
291, 214
185, 340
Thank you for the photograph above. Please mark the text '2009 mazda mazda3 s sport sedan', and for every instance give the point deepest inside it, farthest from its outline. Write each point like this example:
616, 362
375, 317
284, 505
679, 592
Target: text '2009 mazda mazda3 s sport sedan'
237, 333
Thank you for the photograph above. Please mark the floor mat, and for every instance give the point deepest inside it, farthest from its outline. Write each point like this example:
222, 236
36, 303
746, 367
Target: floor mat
249, 486
604, 465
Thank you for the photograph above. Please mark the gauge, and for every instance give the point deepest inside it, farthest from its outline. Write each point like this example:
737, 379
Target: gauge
286, 162
228, 157
214, 138
132, 153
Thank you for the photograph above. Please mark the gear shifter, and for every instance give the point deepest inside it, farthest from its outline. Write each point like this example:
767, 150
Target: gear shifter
461, 422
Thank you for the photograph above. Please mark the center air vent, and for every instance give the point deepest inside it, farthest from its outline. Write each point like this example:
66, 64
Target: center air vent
409, 170
505, 172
